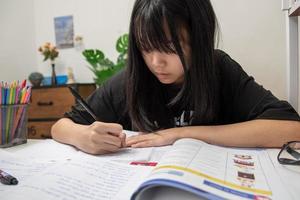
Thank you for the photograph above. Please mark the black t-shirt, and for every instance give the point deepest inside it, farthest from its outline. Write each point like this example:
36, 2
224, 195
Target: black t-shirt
241, 99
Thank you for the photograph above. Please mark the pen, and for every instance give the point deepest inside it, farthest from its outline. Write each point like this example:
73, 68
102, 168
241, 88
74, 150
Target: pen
7, 179
83, 103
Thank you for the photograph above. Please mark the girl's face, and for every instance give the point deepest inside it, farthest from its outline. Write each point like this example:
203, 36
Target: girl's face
167, 67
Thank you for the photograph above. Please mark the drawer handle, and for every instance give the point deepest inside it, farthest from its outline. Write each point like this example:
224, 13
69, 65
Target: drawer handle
31, 131
50, 103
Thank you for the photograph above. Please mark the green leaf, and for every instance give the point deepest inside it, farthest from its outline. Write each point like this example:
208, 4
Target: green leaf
122, 44
103, 68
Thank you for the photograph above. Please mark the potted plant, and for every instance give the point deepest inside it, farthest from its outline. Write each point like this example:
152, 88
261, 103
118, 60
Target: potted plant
102, 67
50, 52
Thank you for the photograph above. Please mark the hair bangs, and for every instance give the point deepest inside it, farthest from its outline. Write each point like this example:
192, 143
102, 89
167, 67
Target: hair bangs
150, 30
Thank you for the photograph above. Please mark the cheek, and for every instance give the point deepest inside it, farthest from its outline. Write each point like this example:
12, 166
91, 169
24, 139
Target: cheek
177, 65
147, 62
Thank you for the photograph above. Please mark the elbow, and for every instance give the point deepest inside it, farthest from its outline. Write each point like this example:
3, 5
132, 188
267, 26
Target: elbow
56, 127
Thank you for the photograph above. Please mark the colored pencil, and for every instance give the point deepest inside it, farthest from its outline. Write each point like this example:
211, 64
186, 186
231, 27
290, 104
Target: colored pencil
1, 94
1, 124
23, 84
20, 124
12, 116
17, 120
28, 94
7, 123
3, 112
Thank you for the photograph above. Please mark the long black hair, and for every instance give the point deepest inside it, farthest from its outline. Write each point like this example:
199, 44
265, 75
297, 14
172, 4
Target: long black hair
144, 92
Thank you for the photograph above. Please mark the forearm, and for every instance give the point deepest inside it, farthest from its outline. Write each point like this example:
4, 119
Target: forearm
66, 131
255, 133
97, 138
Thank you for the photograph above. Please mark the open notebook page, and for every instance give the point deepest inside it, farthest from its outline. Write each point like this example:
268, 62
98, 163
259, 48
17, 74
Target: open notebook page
84, 179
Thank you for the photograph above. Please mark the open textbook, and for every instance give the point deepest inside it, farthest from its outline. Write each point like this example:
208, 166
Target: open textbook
189, 169
195, 170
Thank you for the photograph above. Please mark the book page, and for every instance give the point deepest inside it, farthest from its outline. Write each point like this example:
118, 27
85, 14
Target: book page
224, 172
50, 150
82, 179
21, 168
289, 174
44, 150
124, 155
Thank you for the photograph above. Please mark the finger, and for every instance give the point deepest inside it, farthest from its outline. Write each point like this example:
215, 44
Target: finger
148, 143
123, 139
112, 128
112, 140
108, 148
101, 149
106, 138
136, 139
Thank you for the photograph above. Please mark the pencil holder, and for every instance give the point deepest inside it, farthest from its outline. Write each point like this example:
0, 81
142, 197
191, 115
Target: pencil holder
13, 125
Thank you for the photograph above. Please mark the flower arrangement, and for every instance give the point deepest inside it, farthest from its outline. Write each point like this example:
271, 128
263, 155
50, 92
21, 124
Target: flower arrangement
48, 51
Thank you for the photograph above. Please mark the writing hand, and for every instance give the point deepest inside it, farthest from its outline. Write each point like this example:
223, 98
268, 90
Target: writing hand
158, 138
102, 138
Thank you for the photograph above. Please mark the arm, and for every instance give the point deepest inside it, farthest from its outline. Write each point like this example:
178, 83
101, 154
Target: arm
97, 138
254, 133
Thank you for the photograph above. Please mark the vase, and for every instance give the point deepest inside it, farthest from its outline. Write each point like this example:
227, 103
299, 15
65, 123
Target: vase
53, 77
36, 79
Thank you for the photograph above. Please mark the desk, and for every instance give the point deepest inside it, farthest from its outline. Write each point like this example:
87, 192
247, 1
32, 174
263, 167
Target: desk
52, 152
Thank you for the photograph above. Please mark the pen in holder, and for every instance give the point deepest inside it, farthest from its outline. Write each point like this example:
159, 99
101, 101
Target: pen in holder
14, 100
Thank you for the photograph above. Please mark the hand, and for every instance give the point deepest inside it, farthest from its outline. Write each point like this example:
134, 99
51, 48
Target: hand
158, 138
101, 138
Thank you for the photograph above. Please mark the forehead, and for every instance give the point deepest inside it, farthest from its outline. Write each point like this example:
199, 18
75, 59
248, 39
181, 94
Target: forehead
155, 33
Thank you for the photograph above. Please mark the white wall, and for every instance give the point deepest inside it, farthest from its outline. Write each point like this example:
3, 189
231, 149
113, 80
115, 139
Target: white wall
100, 22
17, 39
253, 33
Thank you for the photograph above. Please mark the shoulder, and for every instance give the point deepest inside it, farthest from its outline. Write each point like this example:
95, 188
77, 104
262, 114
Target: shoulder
117, 81
219, 55
224, 61
228, 68
115, 85
112, 91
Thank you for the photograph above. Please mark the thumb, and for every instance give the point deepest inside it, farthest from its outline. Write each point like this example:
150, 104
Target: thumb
122, 137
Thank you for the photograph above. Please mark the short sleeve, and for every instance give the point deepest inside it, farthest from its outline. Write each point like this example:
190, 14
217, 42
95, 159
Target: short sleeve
107, 102
248, 100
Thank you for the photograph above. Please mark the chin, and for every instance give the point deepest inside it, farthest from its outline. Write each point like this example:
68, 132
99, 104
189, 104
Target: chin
166, 82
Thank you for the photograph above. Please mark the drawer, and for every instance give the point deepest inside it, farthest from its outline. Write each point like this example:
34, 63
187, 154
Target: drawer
39, 130
50, 103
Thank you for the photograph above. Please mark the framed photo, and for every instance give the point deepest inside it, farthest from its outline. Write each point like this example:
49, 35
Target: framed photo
64, 32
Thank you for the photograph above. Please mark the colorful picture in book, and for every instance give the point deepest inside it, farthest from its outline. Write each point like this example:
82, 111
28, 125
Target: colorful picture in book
246, 179
243, 162
244, 157
64, 32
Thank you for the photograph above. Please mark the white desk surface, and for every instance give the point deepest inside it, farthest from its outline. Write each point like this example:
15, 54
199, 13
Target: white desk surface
289, 175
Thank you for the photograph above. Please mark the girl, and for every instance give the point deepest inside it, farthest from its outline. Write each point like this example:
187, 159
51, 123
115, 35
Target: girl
177, 85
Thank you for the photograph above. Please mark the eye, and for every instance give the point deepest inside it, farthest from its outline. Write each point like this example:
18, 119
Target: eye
145, 53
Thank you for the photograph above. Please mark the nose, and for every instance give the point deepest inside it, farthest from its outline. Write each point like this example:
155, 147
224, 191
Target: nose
157, 59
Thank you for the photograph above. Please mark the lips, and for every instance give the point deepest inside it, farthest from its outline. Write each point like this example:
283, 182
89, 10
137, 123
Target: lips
162, 75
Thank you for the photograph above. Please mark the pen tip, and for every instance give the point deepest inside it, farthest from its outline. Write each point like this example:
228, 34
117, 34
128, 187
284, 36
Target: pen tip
14, 181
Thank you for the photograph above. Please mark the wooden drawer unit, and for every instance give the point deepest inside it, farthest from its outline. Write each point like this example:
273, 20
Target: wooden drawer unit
39, 130
48, 104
